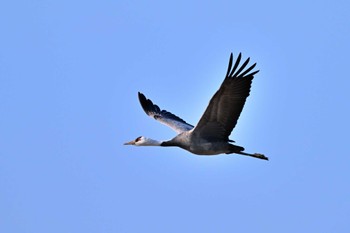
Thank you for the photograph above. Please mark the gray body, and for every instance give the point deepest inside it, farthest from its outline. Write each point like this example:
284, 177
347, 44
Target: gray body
200, 146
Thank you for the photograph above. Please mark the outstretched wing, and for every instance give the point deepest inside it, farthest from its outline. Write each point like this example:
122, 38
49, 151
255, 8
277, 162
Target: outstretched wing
163, 116
226, 105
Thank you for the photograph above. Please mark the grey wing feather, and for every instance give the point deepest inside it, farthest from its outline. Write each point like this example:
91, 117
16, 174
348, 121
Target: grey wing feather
226, 105
163, 116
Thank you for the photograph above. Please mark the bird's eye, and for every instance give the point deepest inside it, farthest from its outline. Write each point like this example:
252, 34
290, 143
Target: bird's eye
138, 139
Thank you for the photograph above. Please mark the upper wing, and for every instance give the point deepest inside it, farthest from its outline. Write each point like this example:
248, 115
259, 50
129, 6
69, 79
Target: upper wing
226, 105
163, 116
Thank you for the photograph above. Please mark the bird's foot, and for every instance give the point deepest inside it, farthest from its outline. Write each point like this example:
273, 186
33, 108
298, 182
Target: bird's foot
260, 156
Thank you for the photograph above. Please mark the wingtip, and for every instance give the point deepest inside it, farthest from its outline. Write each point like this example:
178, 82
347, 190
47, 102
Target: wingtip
254, 73
231, 69
141, 96
229, 65
143, 100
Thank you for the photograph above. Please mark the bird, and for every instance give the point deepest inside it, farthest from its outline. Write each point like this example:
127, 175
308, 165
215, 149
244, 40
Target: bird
211, 134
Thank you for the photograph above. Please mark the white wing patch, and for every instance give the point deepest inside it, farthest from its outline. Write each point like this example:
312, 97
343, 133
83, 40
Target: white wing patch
163, 116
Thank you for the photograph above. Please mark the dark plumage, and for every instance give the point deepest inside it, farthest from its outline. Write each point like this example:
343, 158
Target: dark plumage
226, 105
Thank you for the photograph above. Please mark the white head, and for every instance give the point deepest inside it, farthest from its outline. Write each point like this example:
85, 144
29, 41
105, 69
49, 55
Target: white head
143, 141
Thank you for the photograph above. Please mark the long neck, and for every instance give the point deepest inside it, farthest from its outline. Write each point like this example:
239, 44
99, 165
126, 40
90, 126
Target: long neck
150, 142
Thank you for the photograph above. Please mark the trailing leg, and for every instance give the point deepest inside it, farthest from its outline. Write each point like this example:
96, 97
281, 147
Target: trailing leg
255, 155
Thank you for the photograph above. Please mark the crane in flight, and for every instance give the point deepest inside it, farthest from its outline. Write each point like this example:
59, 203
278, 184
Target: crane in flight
211, 134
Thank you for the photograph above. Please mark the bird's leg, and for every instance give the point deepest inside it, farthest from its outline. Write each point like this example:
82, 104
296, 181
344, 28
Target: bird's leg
255, 155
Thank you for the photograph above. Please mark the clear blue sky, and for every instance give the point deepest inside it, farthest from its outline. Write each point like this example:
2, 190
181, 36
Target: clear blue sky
69, 76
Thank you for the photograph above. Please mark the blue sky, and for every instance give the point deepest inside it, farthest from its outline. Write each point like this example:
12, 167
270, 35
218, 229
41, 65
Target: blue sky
69, 76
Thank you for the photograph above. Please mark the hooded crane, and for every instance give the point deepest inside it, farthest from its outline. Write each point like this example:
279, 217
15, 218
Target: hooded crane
211, 135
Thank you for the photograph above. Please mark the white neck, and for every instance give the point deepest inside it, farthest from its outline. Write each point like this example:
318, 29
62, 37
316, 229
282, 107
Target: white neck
149, 142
